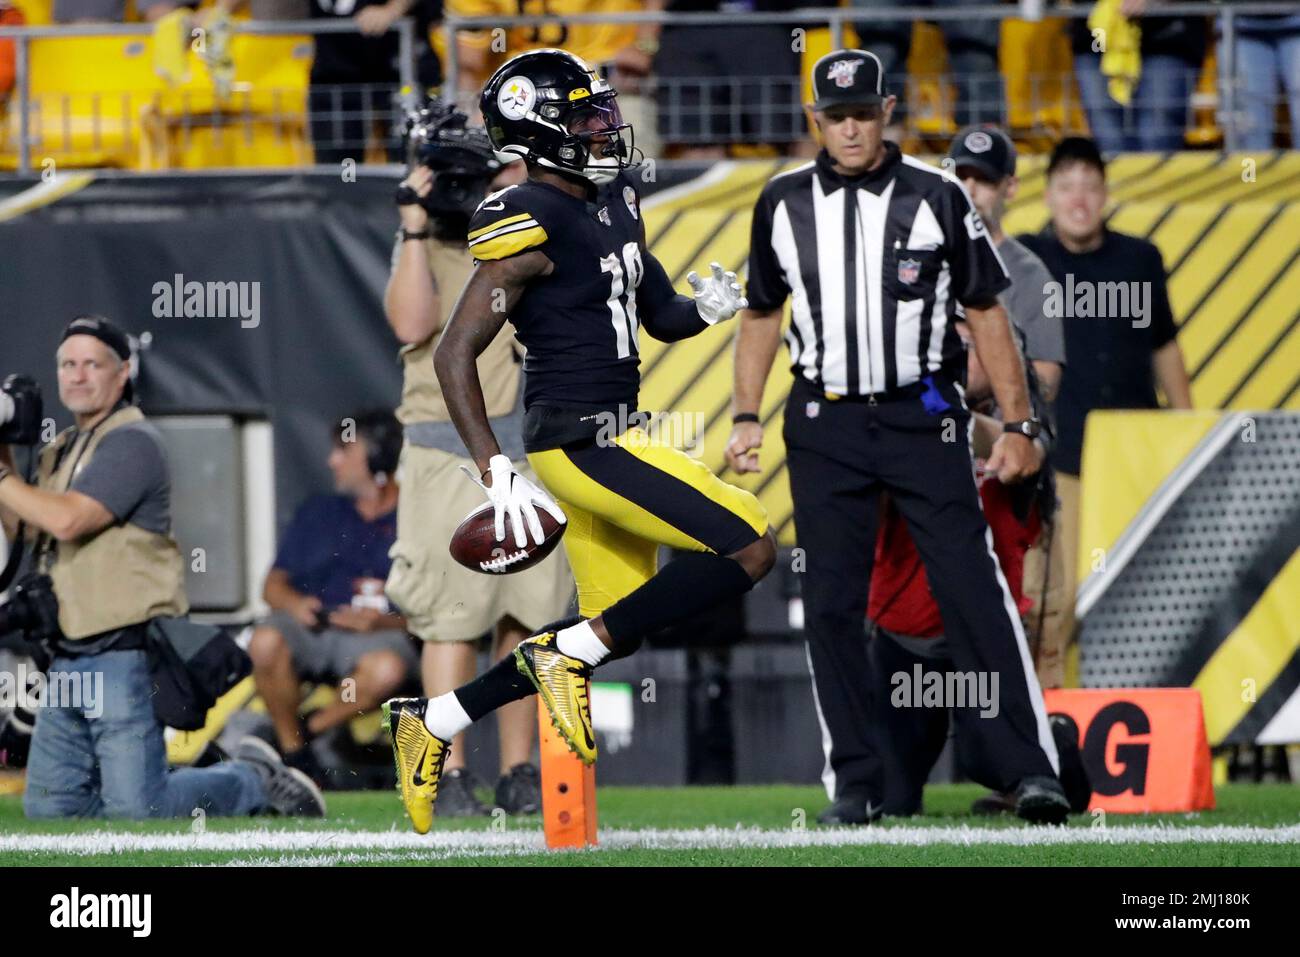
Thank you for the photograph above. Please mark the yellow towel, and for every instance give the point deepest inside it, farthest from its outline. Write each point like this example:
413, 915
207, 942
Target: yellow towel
1121, 55
171, 47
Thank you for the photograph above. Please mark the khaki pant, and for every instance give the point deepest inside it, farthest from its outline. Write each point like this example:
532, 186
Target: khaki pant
1054, 557
443, 600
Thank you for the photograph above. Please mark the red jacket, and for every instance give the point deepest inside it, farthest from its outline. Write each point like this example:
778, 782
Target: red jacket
901, 600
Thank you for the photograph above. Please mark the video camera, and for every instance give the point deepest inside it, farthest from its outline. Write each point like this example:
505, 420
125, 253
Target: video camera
20, 411
461, 157
32, 613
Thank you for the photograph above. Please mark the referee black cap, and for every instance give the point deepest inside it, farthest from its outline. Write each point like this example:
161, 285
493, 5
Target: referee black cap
847, 77
985, 149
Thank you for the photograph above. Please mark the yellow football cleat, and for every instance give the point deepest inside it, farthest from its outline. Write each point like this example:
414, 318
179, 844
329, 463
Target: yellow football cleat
565, 685
420, 757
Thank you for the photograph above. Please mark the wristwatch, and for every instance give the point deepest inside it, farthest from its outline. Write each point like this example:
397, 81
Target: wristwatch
1030, 428
406, 234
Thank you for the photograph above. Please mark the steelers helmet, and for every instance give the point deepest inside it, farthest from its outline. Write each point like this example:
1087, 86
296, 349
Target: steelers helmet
547, 106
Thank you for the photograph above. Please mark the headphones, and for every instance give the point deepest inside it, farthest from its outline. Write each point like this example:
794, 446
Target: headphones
383, 437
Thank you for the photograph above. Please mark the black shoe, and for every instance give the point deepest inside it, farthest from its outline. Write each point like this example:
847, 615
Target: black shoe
16, 738
520, 790
849, 811
993, 804
305, 760
456, 796
1040, 800
288, 791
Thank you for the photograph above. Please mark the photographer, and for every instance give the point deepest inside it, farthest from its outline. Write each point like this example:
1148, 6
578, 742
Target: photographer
447, 606
100, 523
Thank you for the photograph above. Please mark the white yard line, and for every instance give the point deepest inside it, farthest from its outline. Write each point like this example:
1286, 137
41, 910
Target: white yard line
330, 846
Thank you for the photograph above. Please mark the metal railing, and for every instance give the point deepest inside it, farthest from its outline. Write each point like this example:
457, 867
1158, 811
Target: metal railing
405, 29
834, 18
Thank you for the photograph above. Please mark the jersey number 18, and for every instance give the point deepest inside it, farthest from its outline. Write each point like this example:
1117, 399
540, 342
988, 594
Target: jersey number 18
622, 295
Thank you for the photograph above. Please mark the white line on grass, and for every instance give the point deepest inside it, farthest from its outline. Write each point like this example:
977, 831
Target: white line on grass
329, 844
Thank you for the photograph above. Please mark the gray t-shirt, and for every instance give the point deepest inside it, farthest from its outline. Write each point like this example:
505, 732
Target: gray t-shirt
1044, 335
128, 475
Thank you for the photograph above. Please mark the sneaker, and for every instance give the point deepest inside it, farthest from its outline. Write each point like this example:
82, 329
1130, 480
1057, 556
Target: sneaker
849, 811
420, 756
520, 790
564, 684
1041, 800
289, 792
456, 796
16, 738
305, 760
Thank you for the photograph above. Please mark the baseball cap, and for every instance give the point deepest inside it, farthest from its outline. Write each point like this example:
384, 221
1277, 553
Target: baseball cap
984, 148
847, 77
107, 333
103, 330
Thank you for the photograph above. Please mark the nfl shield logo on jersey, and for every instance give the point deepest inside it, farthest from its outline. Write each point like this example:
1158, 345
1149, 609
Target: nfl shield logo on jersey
812, 410
603, 216
909, 271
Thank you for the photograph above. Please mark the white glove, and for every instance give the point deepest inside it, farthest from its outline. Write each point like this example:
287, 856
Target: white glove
717, 298
511, 493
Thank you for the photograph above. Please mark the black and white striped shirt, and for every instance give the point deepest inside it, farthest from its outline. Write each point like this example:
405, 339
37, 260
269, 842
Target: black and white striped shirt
875, 267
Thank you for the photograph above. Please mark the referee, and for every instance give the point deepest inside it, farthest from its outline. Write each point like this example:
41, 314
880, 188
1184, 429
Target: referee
877, 253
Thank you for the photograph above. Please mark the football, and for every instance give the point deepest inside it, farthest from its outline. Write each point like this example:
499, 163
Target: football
475, 546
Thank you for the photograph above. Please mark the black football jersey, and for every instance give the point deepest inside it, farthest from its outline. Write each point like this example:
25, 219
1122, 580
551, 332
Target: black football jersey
579, 323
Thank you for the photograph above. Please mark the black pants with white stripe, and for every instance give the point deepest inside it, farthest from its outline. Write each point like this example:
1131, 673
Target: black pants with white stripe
840, 455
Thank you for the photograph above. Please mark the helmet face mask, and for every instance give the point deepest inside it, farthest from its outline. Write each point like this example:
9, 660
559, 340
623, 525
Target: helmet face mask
549, 107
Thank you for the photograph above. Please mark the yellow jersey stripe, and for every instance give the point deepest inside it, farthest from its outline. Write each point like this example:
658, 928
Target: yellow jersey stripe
505, 221
508, 244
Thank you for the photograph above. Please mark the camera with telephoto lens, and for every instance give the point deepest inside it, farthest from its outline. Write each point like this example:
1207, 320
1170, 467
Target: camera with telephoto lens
20, 411
461, 157
32, 611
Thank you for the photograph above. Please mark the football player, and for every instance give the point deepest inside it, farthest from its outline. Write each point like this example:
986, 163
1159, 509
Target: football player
563, 257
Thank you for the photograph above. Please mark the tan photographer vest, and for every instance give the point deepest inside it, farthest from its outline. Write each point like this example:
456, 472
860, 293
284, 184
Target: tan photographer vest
124, 574
498, 369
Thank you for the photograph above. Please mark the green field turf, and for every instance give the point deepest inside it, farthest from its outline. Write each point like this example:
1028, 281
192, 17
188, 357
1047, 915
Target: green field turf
683, 826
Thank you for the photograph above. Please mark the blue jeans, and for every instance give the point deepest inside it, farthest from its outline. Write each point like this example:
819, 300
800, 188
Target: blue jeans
102, 754
1155, 119
1268, 67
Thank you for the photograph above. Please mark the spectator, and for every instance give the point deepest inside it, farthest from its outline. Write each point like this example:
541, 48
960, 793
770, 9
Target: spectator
709, 99
1172, 51
622, 53
330, 619
972, 44
354, 78
984, 159
1266, 56
101, 514
1118, 356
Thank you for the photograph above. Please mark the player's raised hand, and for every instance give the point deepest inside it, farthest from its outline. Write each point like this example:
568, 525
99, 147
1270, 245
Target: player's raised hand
717, 298
512, 494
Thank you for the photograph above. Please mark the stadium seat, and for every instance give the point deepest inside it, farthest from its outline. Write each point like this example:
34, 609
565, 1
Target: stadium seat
97, 101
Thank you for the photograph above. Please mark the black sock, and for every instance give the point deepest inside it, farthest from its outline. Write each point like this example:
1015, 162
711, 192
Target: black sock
502, 683
684, 587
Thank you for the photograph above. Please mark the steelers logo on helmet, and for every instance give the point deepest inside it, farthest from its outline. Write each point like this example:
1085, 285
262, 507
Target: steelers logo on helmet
551, 108
516, 98
979, 142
